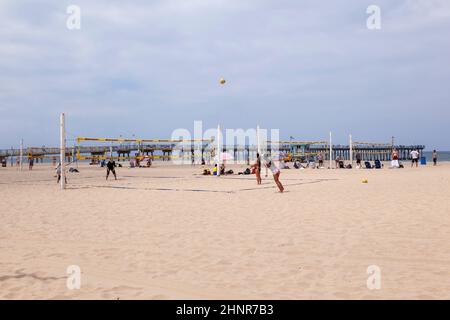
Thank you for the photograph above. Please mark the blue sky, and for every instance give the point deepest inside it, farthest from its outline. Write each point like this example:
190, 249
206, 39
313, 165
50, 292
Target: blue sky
149, 67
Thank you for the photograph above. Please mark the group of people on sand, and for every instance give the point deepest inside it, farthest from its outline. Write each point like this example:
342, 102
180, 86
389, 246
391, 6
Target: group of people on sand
217, 170
268, 163
414, 154
254, 169
136, 163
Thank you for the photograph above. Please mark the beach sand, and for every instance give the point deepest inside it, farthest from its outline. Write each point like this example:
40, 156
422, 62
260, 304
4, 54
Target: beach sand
169, 233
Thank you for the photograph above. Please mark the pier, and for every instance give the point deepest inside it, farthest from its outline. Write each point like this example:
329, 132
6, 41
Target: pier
165, 150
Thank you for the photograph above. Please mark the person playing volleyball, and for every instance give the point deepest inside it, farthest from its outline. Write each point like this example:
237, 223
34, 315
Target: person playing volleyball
275, 171
110, 167
257, 167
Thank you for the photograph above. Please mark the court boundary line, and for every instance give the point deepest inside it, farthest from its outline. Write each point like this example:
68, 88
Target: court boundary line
188, 190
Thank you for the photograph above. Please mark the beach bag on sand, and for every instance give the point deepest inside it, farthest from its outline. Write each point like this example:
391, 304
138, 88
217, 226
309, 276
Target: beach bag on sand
247, 171
378, 164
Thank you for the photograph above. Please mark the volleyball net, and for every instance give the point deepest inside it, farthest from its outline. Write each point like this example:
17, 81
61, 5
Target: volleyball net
125, 149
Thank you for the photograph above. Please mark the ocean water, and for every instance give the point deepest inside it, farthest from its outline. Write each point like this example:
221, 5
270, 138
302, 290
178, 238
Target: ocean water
442, 155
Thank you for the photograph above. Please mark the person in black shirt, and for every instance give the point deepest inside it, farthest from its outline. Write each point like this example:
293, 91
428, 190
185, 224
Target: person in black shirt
110, 166
358, 160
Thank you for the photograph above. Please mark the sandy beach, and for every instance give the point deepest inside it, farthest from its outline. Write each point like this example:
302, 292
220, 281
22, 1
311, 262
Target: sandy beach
167, 232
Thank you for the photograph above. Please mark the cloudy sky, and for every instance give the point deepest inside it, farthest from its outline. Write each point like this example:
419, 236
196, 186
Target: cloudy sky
146, 67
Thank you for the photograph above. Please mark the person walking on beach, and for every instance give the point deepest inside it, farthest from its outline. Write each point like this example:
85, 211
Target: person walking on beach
110, 167
275, 171
434, 157
414, 158
257, 167
30, 163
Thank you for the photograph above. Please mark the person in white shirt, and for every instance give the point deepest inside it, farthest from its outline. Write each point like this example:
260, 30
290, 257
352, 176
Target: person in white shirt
414, 158
269, 163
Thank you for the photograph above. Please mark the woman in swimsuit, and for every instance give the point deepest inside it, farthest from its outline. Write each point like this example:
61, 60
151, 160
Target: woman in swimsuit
276, 173
257, 168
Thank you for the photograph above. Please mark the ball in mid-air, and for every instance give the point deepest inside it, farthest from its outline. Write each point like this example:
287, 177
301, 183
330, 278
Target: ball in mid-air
222, 81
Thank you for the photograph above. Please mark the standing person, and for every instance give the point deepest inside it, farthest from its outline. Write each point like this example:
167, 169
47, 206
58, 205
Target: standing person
414, 158
137, 161
358, 160
58, 173
434, 157
320, 159
30, 163
110, 166
394, 162
275, 171
257, 167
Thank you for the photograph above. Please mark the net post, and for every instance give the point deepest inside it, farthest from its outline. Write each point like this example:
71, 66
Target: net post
63, 150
